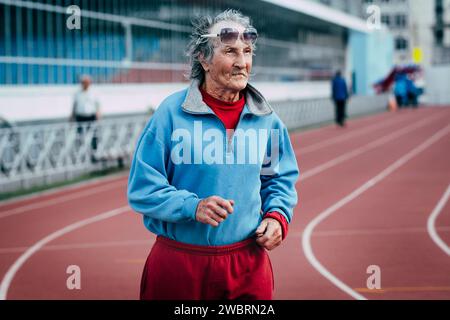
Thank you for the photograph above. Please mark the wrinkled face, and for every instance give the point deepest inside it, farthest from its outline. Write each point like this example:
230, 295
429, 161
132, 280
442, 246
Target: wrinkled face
231, 64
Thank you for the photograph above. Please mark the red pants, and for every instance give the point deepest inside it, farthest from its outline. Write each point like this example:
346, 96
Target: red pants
178, 271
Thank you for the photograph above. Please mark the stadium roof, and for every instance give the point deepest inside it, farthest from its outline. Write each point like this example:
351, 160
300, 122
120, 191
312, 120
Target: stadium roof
323, 12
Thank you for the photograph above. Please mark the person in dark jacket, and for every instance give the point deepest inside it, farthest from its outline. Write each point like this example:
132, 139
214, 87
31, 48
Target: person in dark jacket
340, 96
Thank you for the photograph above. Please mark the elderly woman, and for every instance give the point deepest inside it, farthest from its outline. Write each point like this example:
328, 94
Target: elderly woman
203, 178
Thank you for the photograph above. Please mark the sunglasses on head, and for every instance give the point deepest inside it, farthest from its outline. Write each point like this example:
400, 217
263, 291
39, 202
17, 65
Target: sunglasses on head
230, 36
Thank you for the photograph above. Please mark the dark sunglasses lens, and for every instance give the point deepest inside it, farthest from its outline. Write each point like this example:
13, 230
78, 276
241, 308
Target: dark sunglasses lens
250, 36
228, 35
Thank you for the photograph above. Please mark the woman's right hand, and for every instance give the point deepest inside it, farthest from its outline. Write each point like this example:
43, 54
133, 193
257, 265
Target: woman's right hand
213, 210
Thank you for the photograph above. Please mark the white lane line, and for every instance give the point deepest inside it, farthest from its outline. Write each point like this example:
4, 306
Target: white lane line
50, 202
376, 143
432, 221
363, 119
9, 276
349, 135
367, 232
306, 238
55, 190
89, 245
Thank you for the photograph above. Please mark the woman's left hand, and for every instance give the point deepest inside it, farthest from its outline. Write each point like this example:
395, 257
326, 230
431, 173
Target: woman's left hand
269, 234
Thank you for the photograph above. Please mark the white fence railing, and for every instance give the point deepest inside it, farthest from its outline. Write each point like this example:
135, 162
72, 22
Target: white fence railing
40, 154
297, 114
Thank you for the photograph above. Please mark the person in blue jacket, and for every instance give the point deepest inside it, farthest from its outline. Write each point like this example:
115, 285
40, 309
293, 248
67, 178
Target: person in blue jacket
214, 175
340, 96
401, 90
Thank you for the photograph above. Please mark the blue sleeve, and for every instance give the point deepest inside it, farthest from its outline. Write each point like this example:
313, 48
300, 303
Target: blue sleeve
149, 191
278, 191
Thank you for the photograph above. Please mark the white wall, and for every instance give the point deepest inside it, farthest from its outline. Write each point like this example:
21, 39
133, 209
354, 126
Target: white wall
422, 20
27, 103
437, 86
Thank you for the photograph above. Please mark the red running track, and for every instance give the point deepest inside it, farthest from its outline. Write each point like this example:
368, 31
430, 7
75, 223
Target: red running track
366, 195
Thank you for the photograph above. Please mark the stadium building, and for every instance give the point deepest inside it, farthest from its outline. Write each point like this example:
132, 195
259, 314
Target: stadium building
141, 45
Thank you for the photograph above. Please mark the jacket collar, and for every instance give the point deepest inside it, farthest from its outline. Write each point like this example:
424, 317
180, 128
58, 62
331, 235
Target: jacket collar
256, 103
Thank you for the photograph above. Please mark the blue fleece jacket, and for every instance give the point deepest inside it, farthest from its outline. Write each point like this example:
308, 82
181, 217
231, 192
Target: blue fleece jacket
185, 154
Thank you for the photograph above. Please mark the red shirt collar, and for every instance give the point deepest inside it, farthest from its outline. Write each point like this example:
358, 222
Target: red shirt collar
215, 103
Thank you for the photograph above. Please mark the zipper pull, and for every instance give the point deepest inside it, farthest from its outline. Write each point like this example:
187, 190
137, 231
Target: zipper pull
229, 140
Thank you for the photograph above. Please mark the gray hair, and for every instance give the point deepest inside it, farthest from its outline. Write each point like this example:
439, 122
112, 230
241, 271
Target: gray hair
201, 46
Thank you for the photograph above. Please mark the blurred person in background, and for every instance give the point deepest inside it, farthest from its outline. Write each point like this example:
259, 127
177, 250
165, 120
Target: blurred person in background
340, 96
412, 92
214, 221
85, 110
401, 90
85, 106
